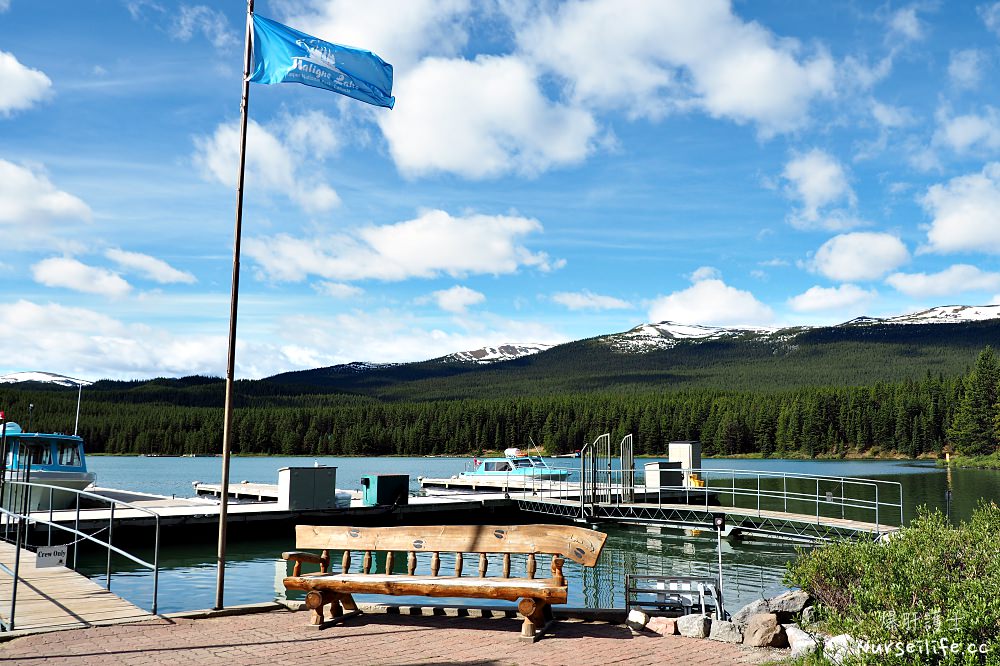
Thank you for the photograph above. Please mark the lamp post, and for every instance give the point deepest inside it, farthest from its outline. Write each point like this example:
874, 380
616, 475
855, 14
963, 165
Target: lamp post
31, 406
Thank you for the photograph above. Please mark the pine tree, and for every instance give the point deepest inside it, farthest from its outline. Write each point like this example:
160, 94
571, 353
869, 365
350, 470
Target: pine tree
974, 428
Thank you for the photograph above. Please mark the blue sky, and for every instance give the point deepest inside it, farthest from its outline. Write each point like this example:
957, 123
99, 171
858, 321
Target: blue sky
551, 171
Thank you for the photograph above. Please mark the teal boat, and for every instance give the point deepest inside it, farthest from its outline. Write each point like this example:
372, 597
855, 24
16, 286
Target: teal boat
515, 463
52, 459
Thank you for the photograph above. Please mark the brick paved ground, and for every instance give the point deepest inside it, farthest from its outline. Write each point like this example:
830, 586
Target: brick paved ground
281, 637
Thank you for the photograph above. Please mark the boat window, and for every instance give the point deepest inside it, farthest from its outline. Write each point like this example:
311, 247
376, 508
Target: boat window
69, 454
41, 453
522, 462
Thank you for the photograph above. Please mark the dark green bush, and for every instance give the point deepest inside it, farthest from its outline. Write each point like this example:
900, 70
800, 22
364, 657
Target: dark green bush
932, 584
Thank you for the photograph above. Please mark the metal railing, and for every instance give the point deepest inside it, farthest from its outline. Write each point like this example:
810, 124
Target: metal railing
17, 517
820, 497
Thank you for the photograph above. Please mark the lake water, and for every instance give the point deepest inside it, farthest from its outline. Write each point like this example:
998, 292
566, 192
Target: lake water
254, 570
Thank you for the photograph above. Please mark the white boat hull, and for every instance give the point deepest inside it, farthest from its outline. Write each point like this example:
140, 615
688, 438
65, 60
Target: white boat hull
39, 498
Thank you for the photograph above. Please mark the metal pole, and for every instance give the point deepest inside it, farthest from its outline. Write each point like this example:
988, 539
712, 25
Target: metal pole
79, 396
227, 430
156, 564
719, 532
111, 522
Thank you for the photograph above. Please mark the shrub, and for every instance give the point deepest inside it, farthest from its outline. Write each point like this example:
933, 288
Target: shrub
931, 585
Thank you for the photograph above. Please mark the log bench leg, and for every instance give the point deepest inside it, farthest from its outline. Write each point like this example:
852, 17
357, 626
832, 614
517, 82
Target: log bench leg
537, 618
339, 603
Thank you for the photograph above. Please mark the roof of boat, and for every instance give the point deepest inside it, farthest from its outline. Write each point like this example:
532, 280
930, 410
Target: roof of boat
14, 429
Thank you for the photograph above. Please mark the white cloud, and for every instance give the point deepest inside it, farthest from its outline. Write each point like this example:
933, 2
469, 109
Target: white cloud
209, 22
485, 118
150, 267
862, 255
278, 160
965, 68
4, 5
955, 279
816, 299
433, 244
338, 290
891, 117
905, 24
96, 346
27, 198
966, 212
400, 31
991, 16
650, 58
819, 182
71, 274
969, 131
705, 273
20, 86
586, 300
457, 299
711, 301
393, 336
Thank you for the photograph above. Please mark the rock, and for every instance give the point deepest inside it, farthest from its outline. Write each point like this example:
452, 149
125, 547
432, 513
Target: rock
636, 620
694, 626
727, 632
839, 648
744, 614
665, 626
801, 642
808, 615
792, 602
763, 630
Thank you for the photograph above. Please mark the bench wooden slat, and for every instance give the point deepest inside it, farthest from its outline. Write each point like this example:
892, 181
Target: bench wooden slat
435, 563
507, 589
576, 543
506, 565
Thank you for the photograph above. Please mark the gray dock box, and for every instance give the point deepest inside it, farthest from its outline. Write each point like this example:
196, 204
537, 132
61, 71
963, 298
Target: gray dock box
385, 489
663, 475
304, 488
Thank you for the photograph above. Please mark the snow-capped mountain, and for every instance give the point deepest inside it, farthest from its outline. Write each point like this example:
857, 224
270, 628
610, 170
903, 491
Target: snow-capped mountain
42, 377
943, 314
666, 334
505, 352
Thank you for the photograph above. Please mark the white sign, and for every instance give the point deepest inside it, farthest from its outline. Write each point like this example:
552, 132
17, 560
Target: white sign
50, 556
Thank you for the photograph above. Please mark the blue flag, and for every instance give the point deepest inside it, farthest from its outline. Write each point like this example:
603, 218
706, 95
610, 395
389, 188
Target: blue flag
284, 55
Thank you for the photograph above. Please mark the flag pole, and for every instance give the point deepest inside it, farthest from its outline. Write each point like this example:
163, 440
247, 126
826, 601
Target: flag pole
227, 427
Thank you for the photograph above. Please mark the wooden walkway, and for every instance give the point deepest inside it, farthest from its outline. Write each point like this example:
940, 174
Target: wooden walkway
58, 597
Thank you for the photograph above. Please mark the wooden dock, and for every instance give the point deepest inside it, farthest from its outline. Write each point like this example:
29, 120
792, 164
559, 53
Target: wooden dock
57, 597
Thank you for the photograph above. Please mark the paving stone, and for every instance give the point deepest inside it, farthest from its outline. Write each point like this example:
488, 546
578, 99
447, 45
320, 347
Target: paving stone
281, 637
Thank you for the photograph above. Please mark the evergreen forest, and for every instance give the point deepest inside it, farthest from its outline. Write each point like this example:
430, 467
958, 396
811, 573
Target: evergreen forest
909, 417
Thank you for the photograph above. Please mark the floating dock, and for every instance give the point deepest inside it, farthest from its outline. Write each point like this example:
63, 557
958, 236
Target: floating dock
57, 597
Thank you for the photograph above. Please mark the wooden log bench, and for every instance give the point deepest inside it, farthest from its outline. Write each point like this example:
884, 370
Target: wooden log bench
535, 596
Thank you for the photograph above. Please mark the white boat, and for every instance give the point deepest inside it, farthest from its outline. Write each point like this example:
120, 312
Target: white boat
52, 459
515, 463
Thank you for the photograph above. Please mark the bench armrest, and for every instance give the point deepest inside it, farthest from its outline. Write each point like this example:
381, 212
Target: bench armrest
299, 557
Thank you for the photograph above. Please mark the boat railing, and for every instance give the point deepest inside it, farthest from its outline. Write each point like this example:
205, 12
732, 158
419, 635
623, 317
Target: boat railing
875, 501
18, 518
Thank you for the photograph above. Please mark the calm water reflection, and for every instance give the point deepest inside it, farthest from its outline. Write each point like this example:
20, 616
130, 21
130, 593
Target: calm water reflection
751, 569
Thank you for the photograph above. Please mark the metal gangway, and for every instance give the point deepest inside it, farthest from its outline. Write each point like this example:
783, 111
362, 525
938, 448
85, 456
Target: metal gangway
776, 505
36, 598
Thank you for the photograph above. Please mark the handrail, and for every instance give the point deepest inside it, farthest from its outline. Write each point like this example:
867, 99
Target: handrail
597, 486
25, 516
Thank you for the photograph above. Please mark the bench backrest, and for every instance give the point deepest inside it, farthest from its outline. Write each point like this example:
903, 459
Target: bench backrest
576, 543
